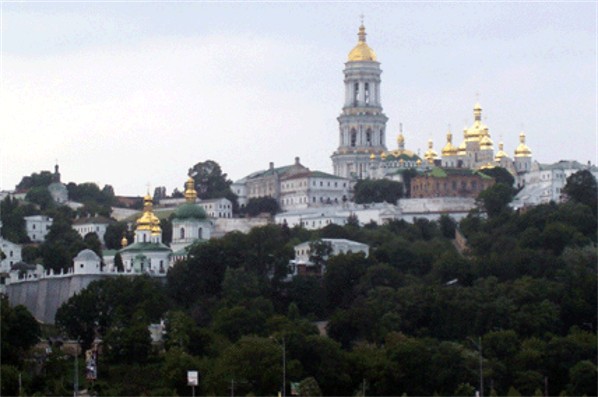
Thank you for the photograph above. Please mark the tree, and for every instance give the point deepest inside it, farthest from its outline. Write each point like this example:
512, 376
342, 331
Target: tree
210, 182
582, 187
496, 199
92, 241
377, 191
118, 262
319, 251
41, 196
261, 205
19, 331
114, 234
500, 175
119, 302
43, 179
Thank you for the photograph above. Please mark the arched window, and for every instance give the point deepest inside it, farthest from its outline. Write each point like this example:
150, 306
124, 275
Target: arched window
182, 233
368, 137
355, 93
367, 93
200, 232
353, 137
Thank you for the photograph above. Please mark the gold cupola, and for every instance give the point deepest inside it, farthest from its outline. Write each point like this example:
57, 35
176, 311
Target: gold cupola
486, 143
190, 192
124, 242
522, 150
449, 149
148, 221
362, 52
501, 154
372, 156
430, 154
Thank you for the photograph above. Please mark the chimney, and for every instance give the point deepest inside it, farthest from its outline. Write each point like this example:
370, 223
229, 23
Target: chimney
296, 160
271, 165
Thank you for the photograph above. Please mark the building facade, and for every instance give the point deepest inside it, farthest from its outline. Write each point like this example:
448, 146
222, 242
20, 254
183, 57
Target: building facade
96, 224
449, 182
362, 124
37, 227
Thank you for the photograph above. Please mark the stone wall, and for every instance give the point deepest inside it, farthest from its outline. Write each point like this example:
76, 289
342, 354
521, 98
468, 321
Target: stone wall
42, 297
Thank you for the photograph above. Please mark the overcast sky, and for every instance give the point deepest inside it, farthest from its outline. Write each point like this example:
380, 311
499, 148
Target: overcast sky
133, 94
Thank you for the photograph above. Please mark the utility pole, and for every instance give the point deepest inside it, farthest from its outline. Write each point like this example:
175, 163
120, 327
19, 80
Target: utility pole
481, 365
76, 380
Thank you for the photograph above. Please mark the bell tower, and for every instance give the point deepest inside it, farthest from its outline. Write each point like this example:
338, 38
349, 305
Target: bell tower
362, 125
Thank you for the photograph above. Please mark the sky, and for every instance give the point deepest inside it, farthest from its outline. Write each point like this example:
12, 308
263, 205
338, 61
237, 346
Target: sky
133, 94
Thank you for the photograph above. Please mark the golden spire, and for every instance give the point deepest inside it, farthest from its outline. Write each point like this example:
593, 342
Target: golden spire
430, 154
148, 221
449, 149
501, 154
190, 192
362, 52
124, 242
522, 150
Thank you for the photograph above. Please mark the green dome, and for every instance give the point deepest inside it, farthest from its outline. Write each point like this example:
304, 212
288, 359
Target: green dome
189, 210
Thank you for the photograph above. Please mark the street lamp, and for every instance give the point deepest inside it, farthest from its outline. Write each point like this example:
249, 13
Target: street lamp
479, 347
284, 363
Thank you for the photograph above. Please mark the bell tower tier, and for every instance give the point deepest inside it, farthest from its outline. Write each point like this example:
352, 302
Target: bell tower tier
362, 124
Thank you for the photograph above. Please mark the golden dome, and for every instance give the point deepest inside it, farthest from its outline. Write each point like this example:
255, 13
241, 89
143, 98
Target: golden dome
190, 192
419, 162
124, 242
487, 166
501, 154
383, 156
522, 150
148, 221
449, 149
372, 156
362, 52
486, 143
430, 154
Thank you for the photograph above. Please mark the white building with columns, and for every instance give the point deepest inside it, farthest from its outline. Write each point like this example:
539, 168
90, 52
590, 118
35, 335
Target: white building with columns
362, 124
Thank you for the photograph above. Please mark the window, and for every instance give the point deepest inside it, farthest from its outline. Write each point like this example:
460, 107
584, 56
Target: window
353, 137
34, 226
355, 93
182, 233
367, 93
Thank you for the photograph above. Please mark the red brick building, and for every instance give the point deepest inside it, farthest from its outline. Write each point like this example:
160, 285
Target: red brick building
449, 182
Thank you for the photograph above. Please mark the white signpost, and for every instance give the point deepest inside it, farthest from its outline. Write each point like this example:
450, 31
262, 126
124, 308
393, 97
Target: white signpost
192, 380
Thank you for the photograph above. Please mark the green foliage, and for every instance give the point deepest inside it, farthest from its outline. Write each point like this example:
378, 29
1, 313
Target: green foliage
210, 182
12, 213
500, 175
62, 242
117, 302
582, 188
19, 331
377, 191
527, 287
40, 196
261, 205
114, 234
43, 179
496, 199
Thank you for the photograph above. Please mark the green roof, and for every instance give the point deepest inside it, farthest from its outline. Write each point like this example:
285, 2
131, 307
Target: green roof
320, 174
143, 247
190, 210
438, 172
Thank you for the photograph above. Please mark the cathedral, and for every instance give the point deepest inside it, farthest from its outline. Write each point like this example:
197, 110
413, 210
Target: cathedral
362, 151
